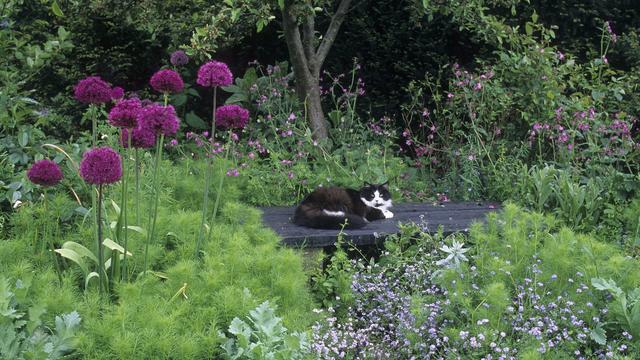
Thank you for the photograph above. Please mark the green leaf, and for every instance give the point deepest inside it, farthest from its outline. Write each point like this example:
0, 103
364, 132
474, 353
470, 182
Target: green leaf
81, 250
195, 121
92, 275
73, 256
281, 3
598, 335
534, 17
528, 28
56, 9
113, 246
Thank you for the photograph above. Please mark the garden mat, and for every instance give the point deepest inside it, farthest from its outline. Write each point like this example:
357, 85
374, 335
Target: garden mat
453, 217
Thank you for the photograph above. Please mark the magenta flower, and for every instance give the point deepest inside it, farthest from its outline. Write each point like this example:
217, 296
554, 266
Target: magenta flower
45, 173
214, 73
232, 117
179, 58
160, 119
117, 93
92, 90
101, 166
141, 138
125, 113
167, 81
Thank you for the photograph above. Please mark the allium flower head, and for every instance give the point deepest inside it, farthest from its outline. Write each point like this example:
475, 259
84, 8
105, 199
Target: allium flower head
44, 172
160, 119
179, 58
101, 166
117, 93
141, 138
214, 73
232, 117
167, 81
125, 113
92, 90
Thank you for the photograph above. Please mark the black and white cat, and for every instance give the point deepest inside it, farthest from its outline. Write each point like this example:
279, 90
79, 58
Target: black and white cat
330, 208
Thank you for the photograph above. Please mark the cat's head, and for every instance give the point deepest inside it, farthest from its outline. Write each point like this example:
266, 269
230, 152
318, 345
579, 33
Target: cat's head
376, 195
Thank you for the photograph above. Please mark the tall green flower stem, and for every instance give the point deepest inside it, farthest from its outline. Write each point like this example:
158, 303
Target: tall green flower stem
137, 160
219, 191
48, 238
101, 278
153, 215
207, 178
123, 217
93, 113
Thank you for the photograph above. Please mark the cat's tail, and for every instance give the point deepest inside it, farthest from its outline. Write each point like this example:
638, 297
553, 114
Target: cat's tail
323, 219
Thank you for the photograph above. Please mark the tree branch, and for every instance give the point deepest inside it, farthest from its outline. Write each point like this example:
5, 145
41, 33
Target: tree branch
332, 32
308, 31
293, 40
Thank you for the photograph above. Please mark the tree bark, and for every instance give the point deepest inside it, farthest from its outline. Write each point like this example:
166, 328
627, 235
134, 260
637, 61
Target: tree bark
307, 60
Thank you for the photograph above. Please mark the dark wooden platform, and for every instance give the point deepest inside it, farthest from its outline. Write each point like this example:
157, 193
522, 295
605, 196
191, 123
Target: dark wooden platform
453, 217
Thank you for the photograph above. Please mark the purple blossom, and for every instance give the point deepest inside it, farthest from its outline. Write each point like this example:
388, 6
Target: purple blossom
167, 81
233, 172
92, 90
101, 166
214, 73
45, 173
179, 58
232, 117
141, 138
117, 93
160, 119
125, 113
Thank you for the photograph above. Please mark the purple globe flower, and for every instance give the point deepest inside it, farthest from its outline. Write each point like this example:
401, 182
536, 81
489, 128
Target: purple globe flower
44, 172
214, 73
125, 113
160, 119
179, 58
101, 166
117, 93
92, 90
232, 117
141, 138
167, 81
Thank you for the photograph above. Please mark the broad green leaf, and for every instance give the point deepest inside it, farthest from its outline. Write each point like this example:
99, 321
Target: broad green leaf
281, 3
73, 256
56, 9
137, 229
599, 335
195, 121
112, 245
92, 275
528, 29
81, 250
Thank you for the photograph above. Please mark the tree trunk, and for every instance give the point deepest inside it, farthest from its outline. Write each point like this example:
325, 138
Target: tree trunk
307, 60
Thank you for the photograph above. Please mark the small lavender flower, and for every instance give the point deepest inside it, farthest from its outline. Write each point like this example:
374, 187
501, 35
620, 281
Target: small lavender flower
125, 113
45, 173
160, 119
101, 166
167, 81
214, 73
179, 58
232, 117
92, 90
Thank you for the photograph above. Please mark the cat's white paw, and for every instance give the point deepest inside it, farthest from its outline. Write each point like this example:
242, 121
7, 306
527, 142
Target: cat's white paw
387, 214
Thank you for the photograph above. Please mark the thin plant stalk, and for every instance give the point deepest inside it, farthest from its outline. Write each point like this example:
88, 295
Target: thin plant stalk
49, 239
207, 179
219, 191
154, 201
101, 270
137, 160
125, 200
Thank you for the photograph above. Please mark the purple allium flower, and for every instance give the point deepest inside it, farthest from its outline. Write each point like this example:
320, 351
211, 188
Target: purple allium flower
125, 113
232, 116
160, 119
45, 172
92, 90
101, 166
214, 73
141, 138
117, 93
167, 81
179, 58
